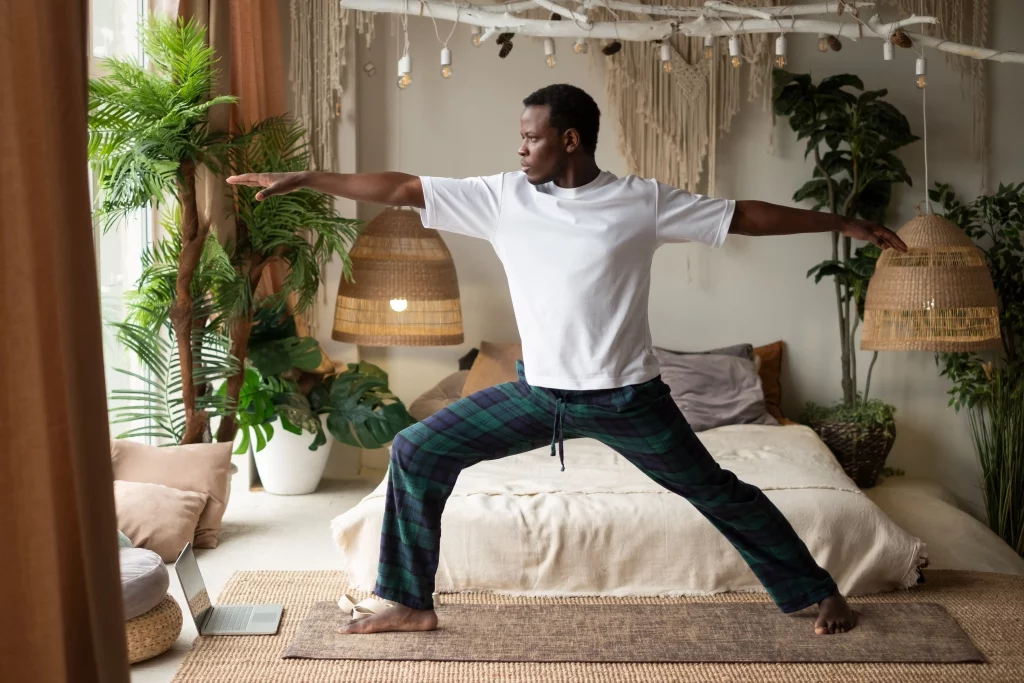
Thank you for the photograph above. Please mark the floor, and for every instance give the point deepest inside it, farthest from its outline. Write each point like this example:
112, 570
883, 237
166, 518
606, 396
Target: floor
261, 531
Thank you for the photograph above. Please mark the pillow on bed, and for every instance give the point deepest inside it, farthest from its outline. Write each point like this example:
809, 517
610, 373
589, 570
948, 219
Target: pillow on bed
446, 392
519, 525
714, 390
494, 365
770, 372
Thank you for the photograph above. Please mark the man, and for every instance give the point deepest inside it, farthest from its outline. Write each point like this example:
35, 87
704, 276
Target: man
576, 243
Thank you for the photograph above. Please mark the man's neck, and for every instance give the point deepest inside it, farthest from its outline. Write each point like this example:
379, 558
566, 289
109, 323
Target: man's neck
578, 174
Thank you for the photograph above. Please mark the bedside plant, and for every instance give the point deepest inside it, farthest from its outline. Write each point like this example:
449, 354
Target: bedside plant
852, 137
990, 386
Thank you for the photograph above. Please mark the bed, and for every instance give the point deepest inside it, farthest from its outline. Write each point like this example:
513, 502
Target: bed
521, 526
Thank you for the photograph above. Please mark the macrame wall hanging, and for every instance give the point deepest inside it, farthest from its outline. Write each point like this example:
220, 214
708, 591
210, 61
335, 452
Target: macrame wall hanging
317, 72
669, 122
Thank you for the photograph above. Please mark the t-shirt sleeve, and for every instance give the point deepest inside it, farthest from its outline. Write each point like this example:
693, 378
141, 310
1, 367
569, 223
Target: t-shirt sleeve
686, 217
467, 206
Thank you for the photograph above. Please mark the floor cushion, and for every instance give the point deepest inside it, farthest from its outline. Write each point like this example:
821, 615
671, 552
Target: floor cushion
154, 632
144, 580
158, 518
202, 467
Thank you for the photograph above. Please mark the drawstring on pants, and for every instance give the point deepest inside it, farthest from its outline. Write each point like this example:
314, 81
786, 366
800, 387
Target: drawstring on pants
557, 434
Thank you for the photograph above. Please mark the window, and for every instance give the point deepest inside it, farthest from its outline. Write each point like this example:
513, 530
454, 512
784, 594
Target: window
114, 32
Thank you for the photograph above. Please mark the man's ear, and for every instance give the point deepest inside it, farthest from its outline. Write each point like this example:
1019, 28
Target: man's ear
571, 139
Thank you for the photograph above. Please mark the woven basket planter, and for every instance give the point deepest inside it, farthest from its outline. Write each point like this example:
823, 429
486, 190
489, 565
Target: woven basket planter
860, 448
154, 632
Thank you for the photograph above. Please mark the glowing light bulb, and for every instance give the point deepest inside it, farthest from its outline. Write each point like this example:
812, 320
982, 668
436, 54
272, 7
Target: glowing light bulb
734, 51
922, 72
580, 47
666, 57
922, 81
549, 52
399, 305
822, 43
709, 47
475, 33
446, 63
404, 71
780, 51
887, 51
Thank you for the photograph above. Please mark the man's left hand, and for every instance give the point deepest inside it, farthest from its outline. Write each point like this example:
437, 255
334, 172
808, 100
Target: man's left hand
869, 231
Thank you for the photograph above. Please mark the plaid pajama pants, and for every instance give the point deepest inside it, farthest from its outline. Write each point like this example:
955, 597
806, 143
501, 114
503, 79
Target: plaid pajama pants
640, 421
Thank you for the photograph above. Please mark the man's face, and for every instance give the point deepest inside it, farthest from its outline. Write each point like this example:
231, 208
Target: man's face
543, 154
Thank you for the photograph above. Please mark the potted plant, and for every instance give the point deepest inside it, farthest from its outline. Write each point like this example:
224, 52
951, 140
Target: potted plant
852, 137
991, 385
148, 137
283, 385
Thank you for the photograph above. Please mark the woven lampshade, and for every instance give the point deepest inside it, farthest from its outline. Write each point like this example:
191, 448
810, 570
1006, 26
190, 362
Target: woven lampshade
938, 296
403, 291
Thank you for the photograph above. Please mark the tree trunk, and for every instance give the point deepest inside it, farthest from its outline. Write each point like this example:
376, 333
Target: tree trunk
850, 366
193, 237
239, 346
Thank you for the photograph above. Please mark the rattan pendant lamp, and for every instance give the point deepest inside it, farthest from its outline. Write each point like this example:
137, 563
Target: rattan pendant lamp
938, 296
403, 291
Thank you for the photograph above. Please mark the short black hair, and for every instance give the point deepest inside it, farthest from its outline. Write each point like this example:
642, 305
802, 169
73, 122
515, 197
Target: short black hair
570, 107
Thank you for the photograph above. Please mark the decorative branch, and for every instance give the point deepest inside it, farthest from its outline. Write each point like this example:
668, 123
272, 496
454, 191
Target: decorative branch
715, 18
564, 12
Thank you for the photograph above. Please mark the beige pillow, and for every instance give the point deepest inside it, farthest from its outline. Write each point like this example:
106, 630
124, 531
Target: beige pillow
156, 517
496, 363
443, 394
203, 467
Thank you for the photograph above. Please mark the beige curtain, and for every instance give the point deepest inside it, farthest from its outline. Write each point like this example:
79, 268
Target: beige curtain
60, 594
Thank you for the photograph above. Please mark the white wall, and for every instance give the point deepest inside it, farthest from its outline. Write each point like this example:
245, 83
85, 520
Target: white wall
752, 290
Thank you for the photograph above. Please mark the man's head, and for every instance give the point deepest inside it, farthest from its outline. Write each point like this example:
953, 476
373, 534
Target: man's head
560, 122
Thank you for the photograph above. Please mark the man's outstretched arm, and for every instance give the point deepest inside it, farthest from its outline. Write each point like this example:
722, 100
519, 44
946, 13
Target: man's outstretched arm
391, 189
760, 219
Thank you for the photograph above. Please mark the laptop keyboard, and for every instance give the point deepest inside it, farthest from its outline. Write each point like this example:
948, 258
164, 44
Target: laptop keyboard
229, 618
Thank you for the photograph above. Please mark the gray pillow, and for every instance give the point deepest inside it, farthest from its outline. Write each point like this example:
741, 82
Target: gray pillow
713, 390
739, 350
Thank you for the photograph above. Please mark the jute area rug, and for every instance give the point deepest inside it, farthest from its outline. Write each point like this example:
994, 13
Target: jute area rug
986, 606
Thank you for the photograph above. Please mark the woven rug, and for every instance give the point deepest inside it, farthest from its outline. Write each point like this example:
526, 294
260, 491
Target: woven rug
704, 632
986, 606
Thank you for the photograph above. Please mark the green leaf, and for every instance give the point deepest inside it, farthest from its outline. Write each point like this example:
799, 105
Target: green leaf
280, 355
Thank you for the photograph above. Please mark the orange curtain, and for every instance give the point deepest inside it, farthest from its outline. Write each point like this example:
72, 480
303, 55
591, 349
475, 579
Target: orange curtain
60, 594
257, 65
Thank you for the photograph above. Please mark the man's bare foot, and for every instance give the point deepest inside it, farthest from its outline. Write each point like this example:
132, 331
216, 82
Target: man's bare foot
394, 618
834, 616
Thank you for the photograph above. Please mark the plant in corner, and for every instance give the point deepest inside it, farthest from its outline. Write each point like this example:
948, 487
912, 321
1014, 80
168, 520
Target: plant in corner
852, 137
991, 385
148, 138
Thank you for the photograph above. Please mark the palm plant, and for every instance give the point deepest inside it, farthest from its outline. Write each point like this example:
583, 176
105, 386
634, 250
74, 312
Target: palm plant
301, 230
148, 135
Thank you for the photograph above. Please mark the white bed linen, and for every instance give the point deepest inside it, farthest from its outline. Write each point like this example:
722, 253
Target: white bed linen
519, 525
955, 539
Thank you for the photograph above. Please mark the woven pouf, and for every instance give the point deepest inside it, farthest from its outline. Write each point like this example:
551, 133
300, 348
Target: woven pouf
154, 632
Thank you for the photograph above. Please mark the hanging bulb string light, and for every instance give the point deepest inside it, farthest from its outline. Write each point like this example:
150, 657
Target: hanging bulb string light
446, 54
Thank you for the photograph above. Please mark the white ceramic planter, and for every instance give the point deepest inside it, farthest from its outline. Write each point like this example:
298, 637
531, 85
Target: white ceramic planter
286, 465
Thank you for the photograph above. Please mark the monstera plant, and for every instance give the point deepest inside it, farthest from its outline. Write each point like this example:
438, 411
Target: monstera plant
285, 386
852, 136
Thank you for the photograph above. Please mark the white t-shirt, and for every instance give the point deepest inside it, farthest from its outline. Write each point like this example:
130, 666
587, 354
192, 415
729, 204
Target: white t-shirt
578, 263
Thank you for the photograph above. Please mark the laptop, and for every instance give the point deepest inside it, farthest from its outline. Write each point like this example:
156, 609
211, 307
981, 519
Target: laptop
221, 620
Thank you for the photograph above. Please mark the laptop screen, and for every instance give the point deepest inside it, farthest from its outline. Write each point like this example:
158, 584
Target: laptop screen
192, 584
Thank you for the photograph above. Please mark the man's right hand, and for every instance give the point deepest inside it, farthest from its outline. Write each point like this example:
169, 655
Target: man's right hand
274, 183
